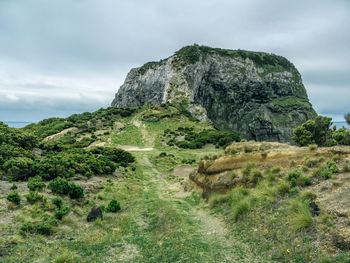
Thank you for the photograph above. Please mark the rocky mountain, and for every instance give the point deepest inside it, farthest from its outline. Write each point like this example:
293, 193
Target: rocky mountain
257, 94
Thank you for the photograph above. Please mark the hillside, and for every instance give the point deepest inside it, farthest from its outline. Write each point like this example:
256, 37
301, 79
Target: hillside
259, 95
161, 163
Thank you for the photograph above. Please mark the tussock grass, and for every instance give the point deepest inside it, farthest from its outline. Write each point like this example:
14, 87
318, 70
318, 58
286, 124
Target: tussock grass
300, 215
240, 209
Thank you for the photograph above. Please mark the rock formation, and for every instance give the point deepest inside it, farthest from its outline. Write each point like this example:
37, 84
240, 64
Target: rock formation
257, 94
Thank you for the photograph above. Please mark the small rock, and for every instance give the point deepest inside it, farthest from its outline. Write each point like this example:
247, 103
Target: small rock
117, 245
315, 210
96, 212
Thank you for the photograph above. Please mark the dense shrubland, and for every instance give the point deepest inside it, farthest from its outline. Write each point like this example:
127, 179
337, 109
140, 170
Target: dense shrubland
62, 157
192, 54
319, 132
85, 121
196, 140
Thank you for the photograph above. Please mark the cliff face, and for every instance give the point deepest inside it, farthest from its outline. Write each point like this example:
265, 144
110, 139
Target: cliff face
257, 94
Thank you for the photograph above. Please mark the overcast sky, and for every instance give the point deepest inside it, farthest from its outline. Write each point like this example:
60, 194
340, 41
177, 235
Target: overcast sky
60, 57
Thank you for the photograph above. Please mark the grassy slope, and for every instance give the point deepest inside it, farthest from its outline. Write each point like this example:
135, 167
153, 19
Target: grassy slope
159, 222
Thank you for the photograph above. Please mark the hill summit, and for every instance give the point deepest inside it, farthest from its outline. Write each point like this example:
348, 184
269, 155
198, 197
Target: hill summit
257, 94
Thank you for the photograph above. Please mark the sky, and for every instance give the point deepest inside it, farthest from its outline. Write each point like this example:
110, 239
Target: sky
61, 57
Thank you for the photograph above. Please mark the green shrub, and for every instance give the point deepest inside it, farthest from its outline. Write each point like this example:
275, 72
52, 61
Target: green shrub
63, 186
43, 228
20, 168
113, 206
303, 181
283, 188
59, 186
271, 177
33, 197
13, 187
312, 147
26, 227
332, 166
293, 182
14, 198
75, 191
35, 184
314, 132
300, 215
325, 173
57, 201
63, 211
294, 175
294, 191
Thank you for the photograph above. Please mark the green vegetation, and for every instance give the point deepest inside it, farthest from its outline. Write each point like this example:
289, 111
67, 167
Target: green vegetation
196, 140
34, 197
300, 215
290, 103
36, 184
14, 198
347, 118
63, 186
314, 131
192, 54
159, 222
318, 132
113, 206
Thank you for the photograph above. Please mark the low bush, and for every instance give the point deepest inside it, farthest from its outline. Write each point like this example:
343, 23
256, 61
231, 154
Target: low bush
27, 227
14, 198
325, 173
36, 183
75, 191
271, 177
64, 187
34, 197
283, 188
294, 175
113, 206
303, 181
332, 166
43, 228
61, 212
13, 187
57, 201
59, 186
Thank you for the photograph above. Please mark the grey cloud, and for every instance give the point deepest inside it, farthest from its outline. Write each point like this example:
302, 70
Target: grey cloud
57, 47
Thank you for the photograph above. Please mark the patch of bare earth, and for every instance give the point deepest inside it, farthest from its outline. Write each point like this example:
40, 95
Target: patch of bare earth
60, 134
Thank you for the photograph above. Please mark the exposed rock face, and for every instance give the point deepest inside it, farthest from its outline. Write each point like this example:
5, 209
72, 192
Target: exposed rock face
257, 94
95, 212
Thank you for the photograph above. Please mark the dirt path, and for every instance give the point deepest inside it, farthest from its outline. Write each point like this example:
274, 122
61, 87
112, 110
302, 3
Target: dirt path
148, 140
209, 228
136, 148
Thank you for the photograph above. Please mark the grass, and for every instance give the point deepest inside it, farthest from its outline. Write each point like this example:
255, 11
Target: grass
131, 136
158, 222
300, 215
